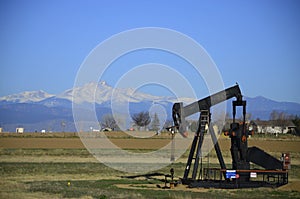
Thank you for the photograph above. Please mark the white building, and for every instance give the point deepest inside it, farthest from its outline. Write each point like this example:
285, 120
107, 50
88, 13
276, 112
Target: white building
274, 127
20, 130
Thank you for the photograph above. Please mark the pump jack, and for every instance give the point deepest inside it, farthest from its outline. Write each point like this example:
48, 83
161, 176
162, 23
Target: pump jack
275, 172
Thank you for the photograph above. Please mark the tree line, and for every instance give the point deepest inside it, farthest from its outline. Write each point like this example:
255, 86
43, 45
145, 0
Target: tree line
283, 119
143, 120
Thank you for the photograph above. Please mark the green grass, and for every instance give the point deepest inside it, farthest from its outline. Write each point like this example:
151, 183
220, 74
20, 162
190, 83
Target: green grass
46, 179
107, 189
24, 169
34, 178
43, 152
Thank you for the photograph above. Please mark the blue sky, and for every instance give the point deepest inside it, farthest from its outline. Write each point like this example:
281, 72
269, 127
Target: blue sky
254, 43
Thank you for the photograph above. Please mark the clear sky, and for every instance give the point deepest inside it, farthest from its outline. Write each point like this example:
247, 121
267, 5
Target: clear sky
255, 43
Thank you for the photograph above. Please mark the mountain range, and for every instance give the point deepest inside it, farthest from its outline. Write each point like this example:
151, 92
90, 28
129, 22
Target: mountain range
39, 110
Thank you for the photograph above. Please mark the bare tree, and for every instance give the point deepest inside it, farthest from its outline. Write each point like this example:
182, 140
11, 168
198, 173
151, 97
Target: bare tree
63, 125
274, 115
296, 121
248, 116
282, 121
155, 124
108, 121
280, 118
141, 119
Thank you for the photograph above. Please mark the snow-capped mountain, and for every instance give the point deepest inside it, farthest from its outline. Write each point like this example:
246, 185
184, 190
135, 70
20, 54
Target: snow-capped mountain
26, 97
39, 110
93, 92
101, 92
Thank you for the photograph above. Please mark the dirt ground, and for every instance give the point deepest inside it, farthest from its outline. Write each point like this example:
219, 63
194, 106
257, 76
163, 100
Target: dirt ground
75, 143
271, 146
47, 143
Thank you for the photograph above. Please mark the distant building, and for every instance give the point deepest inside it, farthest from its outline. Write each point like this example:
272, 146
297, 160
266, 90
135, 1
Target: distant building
20, 130
1, 129
267, 127
274, 127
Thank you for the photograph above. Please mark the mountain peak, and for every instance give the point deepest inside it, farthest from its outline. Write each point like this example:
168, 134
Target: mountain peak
103, 83
27, 96
262, 99
99, 92
40, 109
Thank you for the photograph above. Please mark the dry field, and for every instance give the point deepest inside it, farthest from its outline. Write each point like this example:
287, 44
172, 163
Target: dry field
291, 144
58, 166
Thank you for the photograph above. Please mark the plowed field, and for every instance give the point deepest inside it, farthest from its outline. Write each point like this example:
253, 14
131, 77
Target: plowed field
75, 143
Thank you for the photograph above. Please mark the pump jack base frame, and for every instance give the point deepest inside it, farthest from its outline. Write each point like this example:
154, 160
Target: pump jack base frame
268, 178
230, 185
